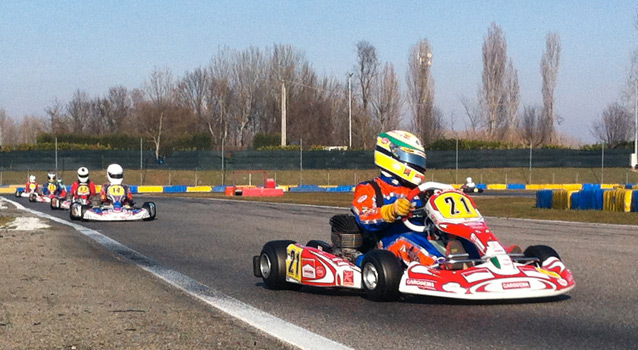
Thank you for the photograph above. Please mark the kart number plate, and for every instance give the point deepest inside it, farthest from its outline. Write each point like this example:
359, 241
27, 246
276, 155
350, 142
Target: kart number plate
116, 190
52, 187
83, 190
31, 186
454, 205
293, 262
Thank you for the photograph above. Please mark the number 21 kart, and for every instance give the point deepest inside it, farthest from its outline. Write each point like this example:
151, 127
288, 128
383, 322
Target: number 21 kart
420, 262
115, 211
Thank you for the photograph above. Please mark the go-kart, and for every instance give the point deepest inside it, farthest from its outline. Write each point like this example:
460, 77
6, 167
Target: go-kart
472, 189
27, 191
115, 211
483, 270
83, 197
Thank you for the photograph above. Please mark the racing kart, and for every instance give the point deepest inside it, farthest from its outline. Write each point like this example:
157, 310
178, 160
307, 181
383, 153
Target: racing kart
474, 189
26, 192
483, 270
115, 211
83, 197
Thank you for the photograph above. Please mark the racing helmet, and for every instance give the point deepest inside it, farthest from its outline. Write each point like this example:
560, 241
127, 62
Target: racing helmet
115, 174
401, 154
83, 174
51, 177
468, 180
32, 178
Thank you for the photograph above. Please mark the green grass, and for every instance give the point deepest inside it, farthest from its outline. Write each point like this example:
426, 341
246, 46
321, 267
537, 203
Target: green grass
512, 207
343, 177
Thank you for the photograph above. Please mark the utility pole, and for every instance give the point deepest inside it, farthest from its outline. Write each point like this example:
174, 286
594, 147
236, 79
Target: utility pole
283, 114
350, 110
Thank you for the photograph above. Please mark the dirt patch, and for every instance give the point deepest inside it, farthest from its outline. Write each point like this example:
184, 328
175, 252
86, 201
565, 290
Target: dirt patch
60, 290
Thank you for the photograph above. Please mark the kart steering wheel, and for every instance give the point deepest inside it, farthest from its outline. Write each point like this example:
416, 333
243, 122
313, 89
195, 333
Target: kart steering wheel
423, 188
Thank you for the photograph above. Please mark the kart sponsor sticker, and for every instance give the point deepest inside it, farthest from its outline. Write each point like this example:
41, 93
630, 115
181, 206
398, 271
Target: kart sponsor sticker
348, 278
515, 285
477, 275
308, 268
321, 272
422, 284
361, 199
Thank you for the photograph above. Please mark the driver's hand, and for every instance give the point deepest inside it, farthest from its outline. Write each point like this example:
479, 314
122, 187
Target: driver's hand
390, 212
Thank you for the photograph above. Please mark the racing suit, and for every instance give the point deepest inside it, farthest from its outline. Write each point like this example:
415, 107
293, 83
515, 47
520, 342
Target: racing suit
31, 187
54, 189
82, 190
127, 195
367, 211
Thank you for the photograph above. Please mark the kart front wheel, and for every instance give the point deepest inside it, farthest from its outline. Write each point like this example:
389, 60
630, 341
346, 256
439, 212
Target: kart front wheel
381, 274
151, 209
272, 265
542, 252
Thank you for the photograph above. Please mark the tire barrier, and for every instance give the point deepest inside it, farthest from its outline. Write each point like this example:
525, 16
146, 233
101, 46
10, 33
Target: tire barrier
592, 198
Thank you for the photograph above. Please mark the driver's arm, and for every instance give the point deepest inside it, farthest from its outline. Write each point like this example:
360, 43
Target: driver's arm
366, 210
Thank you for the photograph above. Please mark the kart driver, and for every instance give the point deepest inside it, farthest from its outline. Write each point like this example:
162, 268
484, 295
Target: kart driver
401, 158
32, 185
469, 185
83, 187
115, 175
53, 188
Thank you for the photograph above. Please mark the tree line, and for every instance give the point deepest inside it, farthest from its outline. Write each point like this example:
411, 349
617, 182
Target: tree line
238, 96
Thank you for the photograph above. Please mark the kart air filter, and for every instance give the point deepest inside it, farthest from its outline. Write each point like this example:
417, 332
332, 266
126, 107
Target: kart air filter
345, 231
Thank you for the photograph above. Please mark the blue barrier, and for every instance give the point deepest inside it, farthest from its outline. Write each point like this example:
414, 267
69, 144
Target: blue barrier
588, 199
174, 189
515, 186
307, 188
634, 201
340, 189
481, 186
589, 187
544, 199
219, 189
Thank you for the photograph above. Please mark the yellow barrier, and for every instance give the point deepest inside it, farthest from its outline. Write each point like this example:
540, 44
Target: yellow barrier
573, 187
8, 190
198, 189
150, 189
496, 186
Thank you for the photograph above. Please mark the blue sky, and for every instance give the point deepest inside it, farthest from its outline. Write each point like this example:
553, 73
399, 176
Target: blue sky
49, 49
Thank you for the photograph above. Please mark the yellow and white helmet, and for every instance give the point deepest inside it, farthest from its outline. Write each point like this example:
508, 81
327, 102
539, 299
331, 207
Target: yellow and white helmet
401, 154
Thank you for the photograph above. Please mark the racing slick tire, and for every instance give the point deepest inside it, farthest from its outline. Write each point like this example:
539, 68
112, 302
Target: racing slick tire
272, 265
542, 252
77, 210
150, 207
381, 274
55, 203
18, 193
32, 197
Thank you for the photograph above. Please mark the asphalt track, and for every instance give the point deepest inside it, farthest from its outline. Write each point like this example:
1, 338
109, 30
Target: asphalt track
213, 241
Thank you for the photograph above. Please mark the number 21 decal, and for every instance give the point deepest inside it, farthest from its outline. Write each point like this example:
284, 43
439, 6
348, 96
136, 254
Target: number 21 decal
455, 206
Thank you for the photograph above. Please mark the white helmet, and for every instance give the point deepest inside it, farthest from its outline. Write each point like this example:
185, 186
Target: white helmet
83, 174
51, 177
468, 180
31, 178
115, 174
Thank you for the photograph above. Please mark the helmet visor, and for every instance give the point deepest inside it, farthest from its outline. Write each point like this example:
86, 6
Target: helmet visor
413, 158
116, 176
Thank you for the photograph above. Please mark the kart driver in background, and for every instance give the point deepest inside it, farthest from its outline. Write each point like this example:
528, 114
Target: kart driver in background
469, 185
83, 187
401, 158
115, 175
32, 185
53, 187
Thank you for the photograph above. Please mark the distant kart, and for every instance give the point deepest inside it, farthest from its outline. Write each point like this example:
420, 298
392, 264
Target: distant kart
26, 192
483, 269
114, 212
471, 189
83, 197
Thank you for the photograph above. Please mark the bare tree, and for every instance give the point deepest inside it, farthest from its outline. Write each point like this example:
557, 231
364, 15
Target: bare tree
79, 112
154, 116
4, 125
366, 72
386, 101
494, 70
549, 71
57, 118
473, 114
510, 101
421, 92
532, 126
615, 125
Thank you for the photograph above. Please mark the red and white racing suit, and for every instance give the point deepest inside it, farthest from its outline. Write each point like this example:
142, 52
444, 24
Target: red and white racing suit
31, 187
82, 190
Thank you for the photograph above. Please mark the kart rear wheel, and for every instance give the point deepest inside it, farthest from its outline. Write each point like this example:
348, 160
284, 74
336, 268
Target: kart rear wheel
272, 265
381, 274
542, 252
18, 193
32, 197
55, 203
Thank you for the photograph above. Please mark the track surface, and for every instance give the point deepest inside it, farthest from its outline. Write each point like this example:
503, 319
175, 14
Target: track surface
213, 242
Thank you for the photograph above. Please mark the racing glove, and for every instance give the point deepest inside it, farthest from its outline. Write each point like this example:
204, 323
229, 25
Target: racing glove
390, 212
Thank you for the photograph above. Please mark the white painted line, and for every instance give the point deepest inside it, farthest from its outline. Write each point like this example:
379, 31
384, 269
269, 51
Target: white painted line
274, 326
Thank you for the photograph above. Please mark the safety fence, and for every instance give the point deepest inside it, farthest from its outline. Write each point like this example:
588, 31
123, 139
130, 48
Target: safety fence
311, 159
621, 198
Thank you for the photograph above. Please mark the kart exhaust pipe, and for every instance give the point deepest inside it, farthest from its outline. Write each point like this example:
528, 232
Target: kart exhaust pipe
256, 269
